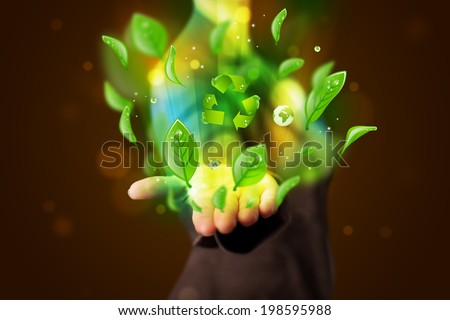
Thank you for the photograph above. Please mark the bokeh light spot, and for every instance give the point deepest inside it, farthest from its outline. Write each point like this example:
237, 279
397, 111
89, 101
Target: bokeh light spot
56, 24
160, 209
62, 226
88, 66
156, 77
195, 64
385, 232
243, 14
354, 86
348, 230
48, 206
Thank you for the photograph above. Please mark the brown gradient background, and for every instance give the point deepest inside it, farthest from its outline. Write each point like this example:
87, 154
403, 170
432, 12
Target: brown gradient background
68, 230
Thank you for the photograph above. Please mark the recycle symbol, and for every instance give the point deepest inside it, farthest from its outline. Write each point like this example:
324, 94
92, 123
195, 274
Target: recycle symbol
248, 107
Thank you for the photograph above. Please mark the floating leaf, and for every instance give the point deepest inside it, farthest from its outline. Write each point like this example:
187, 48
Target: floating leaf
148, 35
172, 201
321, 73
114, 100
251, 203
125, 125
285, 187
321, 96
170, 67
219, 198
119, 49
289, 66
181, 152
250, 166
276, 25
354, 133
217, 36
195, 206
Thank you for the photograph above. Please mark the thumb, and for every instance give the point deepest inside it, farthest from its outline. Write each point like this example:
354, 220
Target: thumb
155, 187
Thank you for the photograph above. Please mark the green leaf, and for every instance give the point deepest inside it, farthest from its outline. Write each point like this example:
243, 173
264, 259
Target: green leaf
181, 152
194, 205
114, 100
250, 166
119, 49
170, 67
285, 187
251, 203
217, 36
321, 96
321, 73
148, 35
289, 66
354, 133
125, 125
276, 25
219, 198
172, 201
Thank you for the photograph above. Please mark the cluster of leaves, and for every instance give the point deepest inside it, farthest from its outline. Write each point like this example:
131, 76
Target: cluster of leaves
325, 86
249, 167
149, 37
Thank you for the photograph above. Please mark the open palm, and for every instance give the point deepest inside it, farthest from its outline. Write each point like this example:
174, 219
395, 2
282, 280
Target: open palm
244, 205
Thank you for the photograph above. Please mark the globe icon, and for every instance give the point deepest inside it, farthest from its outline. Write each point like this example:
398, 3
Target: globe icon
283, 115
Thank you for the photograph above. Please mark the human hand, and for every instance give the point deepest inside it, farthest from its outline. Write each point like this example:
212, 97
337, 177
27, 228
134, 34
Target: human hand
244, 205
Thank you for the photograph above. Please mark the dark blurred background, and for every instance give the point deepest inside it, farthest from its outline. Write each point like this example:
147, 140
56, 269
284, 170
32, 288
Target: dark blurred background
69, 230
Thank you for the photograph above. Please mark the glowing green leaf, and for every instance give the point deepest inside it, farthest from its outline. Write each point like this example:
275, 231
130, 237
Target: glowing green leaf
321, 96
289, 66
219, 198
217, 36
251, 203
195, 206
114, 100
148, 35
119, 49
321, 73
181, 152
250, 166
276, 25
355, 133
170, 67
125, 125
172, 201
285, 187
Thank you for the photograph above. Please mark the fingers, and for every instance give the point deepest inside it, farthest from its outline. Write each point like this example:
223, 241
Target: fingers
204, 221
248, 206
154, 187
267, 205
225, 221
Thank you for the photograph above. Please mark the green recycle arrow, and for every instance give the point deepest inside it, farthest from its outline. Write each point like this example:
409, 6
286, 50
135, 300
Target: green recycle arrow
247, 109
